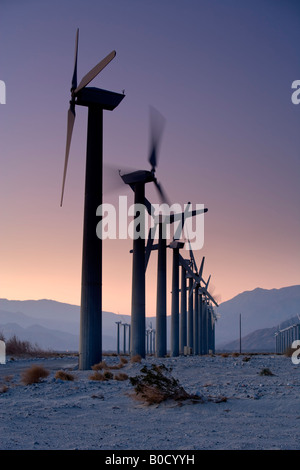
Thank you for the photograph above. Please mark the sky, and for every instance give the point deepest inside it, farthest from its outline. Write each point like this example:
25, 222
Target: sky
219, 71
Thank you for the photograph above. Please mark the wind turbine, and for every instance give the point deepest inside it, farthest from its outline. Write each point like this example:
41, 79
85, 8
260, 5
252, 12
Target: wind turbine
193, 305
96, 100
137, 180
195, 313
202, 291
161, 304
175, 245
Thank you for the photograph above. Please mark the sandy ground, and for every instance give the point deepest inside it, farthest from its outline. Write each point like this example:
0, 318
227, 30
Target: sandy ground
260, 412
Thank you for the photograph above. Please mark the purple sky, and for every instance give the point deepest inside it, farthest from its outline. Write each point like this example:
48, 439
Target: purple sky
220, 71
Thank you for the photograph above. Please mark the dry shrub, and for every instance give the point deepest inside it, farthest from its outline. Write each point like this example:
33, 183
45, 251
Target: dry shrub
34, 374
156, 385
246, 358
117, 366
136, 358
17, 347
62, 375
101, 365
121, 364
235, 354
101, 376
108, 375
220, 399
265, 371
97, 376
224, 355
3, 388
121, 376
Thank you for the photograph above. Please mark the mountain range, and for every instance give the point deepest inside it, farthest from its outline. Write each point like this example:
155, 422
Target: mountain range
55, 325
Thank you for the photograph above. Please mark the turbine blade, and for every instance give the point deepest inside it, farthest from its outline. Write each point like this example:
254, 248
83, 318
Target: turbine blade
74, 79
191, 289
95, 71
189, 271
149, 244
192, 257
70, 125
157, 123
161, 192
201, 267
181, 217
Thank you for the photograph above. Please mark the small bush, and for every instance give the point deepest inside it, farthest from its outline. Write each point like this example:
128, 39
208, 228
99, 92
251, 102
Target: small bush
156, 385
18, 347
62, 375
3, 388
136, 358
123, 360
246, 359
101, 376
108, 375
101, 365
265, 371
97, 376
116, 366
121, 376
34, 374
224, 355
220, 399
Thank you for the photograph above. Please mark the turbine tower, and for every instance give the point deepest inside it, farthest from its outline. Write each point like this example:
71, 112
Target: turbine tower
96, 100
137, 180
202, 326
175, 245
161, 300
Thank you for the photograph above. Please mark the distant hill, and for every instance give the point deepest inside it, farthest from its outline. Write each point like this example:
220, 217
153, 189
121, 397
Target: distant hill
259, 340
55, 325
259, 308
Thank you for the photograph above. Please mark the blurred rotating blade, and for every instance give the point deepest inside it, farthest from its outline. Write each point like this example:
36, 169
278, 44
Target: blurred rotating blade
161, 193
157, 124
95, 71
70, 125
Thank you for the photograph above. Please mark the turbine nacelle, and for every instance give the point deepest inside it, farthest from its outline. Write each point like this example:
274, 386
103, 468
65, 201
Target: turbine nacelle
139, 176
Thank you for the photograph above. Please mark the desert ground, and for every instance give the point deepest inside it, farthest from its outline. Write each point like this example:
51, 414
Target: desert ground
236, 402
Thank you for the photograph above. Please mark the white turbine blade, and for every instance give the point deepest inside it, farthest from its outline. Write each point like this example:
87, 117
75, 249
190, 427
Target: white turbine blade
70, 125
95, 71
